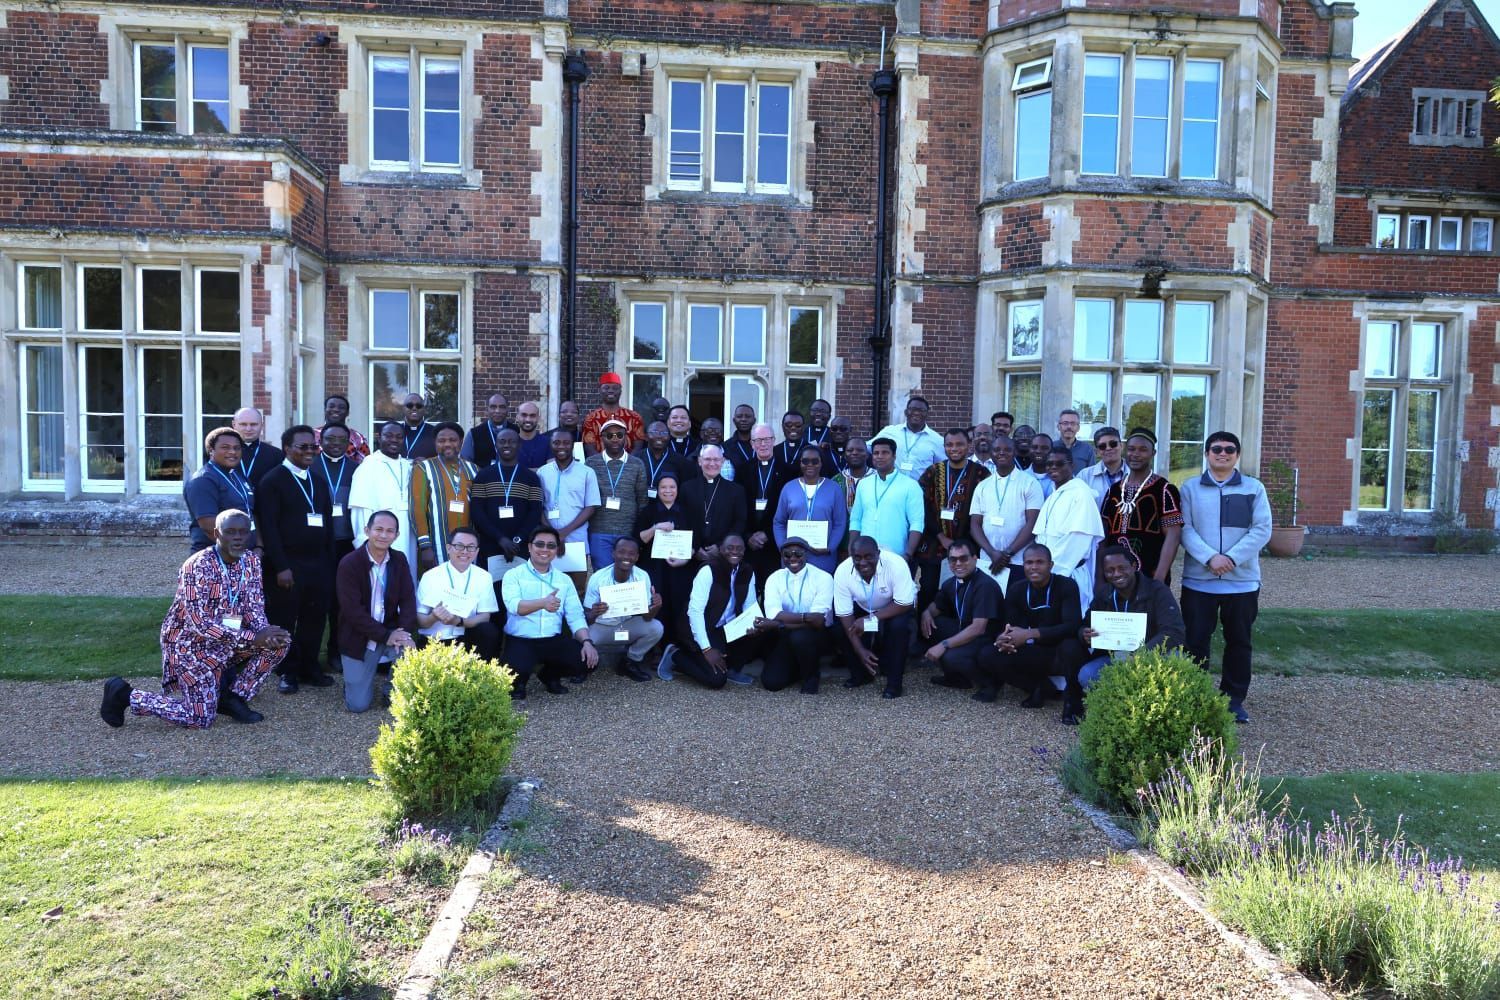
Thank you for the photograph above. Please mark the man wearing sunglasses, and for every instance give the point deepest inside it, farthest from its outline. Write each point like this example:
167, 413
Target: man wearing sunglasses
418, 438
967, 613
1110, 468
1226, 521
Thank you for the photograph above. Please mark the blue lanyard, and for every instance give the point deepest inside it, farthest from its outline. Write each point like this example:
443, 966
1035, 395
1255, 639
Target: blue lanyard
242, 491
802, 580
765, 480
820, 438
614, 481
467, 578
453, 481
1047, 599
812, 497
245, 470
745, 453
879, 494
788, 456
960, 595
229, 583
957, 482
333, 488
839, 465
494, 438
413, 443
514, 470
307, 494
655, 469
545, 581
1115, 599
672, 445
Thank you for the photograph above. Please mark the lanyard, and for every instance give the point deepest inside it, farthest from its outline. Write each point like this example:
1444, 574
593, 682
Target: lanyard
746, 453
454, 481
390, 465
802, 581
765, 480
545, 581
879, 493
960, 595
839, 465
413, 442
494, 438
333, 487
819, 439
1047, 601
906, 437
811, 496
514, 470
787, 456
1000, 500
243, 491
557, 486
655, 468
467, 578
229, 582
308, 493
1115, 599
614, 481
245, 470
672, 445
958, 481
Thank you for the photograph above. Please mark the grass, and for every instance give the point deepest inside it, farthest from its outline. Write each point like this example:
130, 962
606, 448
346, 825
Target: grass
1404, 645
200, 889
80, 638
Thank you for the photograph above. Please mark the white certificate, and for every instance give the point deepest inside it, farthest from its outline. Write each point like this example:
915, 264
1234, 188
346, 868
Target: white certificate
625, 599
1122, 630
460, 604
672, 545
814, 533
740, 625
499, 566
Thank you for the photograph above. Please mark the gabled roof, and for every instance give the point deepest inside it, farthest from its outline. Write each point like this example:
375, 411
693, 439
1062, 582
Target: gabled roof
1373, 67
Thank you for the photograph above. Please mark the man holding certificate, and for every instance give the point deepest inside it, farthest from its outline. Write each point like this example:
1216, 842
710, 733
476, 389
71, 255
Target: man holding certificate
799, 609
620, 606
721, 617
813, 509
1134, 612
455, 600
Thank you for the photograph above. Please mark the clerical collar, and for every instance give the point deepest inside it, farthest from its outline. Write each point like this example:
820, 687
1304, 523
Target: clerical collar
299, 473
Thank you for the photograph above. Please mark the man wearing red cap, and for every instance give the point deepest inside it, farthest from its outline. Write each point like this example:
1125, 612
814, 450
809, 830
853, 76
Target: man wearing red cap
635, 428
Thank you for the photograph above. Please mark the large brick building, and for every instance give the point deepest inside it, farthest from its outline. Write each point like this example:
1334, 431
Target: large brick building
1186, 215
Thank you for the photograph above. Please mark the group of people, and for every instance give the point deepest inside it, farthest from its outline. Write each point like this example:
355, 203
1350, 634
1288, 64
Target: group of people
617, 537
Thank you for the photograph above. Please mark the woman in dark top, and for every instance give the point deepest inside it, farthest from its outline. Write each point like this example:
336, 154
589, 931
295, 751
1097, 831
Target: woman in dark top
673, 579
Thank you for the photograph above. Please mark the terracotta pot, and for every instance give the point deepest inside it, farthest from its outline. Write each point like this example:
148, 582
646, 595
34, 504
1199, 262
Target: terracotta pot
1286, 542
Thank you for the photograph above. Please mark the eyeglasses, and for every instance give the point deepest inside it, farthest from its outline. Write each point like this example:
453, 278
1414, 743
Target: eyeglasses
544, 545
415, 406
762, 440
614, 434
962, 558
1106, 444
459, 547
1223, 449
812, 461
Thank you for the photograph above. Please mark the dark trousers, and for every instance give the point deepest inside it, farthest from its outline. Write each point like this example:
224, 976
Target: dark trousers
690, 660
556, 656
889, 644
960, 664
341, 548
1202, 613
483, 639
302, 611
929, 579
1071, 656
1027, 668
793, 656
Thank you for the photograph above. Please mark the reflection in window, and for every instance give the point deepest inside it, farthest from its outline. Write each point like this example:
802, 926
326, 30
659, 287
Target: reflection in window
42, 406
103, 410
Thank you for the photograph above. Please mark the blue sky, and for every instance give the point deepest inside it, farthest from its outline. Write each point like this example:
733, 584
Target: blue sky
1380, 19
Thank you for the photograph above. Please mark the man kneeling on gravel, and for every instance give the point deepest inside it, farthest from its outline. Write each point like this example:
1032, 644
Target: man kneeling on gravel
217, 647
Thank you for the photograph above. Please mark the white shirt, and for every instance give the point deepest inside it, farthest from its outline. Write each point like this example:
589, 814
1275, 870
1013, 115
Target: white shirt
807, 592
381, 483
915, 450
606, 578
1003, 502
299, 473
1070, 526
703, 583
892, 584
444, 584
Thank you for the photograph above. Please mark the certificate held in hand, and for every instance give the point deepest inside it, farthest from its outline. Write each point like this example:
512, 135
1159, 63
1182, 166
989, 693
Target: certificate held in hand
740, 625
814, 533
625, 599
672, 545
1124, 631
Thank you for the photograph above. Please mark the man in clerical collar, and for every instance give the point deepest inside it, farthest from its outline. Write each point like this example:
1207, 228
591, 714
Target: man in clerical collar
763, 484
680, 437
417, 440
791, 439
711, 431
834, 443
336, 468
633, 634
256, 456
716, 504
657, 456
964, 617
738, 449
1042, 613
479, 444
818, 416
217, 647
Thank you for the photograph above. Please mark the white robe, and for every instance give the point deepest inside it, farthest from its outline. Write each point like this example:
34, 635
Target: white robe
1069, 525
381, 483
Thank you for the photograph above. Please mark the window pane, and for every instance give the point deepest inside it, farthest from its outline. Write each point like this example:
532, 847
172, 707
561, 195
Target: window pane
390, 321
41, 298
1380, 350
1091, 397
161, 300
390, 383
440, 143
1153, 99
1185, 461
1033, 135
749, 338
1193, 334
729, 133
703, 335
103, 407
1421, 447
103, 305
806, 339
1388, 231
440, 321
1200, 118
1101, 114
648, 331
685, 157
1140, 394
161, 415
44, 412
1025, 330
1023, 398
644, 387
210, 89
440, 78
1481, 232
1189, 426
440, 112
742, 390
218, 389
1418, 233
800, 393
1450, 234
1375, 450
1143, 320
219, 301
1093, 329
774, 135
390, 106
157, 82
1426, 350
440, 389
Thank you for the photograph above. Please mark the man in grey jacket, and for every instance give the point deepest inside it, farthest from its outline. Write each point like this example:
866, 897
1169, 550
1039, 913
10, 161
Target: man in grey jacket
1226, 521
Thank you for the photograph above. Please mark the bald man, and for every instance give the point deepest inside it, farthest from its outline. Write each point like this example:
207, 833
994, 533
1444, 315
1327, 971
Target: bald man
257, 457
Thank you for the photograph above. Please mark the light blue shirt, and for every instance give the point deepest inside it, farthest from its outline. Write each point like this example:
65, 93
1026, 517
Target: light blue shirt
524, 583
1048, 486
915, 450
1100, 479
606, 578
887, 509
568, 491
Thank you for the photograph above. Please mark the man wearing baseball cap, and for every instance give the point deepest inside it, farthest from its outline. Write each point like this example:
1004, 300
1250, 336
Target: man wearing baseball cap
609, 392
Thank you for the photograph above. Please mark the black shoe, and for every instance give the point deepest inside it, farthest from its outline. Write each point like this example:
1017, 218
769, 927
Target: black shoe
287, 684
857, 682
634, 671
985, 695
1072, 713
517, 693
116, 700
317, 680
238, 709
810, 687
1034, 700
554, 686
890, 692
948, 681
578, 678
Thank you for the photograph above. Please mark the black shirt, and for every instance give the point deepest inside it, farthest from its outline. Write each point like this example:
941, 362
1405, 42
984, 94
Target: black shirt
1053, 609
285, 502
258, 459
419, 442
980, 597
717, 509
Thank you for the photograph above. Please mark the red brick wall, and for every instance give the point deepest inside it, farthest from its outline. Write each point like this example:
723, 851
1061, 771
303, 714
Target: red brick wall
335, 332
294, 89
856, 386
503, 343
1351, 221
946, 354
1297, 107
711, 22
953, 18
1477, 429
260, 357
1374, 146
1124, 232
1020, 236
1303, 31
950, 242
307, 213
33, 46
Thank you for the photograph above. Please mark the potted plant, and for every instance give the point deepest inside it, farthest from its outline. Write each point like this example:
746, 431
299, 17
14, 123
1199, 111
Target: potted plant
1287, 535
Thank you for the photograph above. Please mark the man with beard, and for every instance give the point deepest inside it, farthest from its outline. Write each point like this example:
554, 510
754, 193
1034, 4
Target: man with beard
440, 497
479, 444
535, 445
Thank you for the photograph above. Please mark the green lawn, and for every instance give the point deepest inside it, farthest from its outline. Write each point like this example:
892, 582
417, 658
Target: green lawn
80, 638
200, 889
1396, 644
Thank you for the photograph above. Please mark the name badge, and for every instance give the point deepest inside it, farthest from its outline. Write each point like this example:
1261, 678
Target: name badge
507, 512
622, 635
995, 521
315, 520
760, 504
554, 515
456, 506
948, 515
650, 494
872, 624
338, 510
232, 623
252, 524
612, 503
907, 466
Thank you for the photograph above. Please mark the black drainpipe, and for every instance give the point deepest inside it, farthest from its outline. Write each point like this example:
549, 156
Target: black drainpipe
575, 71
883, 84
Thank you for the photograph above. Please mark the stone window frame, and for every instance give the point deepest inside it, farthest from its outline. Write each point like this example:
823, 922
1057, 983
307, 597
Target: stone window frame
1428, 104
130, 341
1401, 384
121, 91
1023, 91
711, 68
1383, 216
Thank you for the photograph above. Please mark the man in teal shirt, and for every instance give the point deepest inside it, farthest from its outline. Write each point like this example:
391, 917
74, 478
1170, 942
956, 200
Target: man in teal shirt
888, 505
